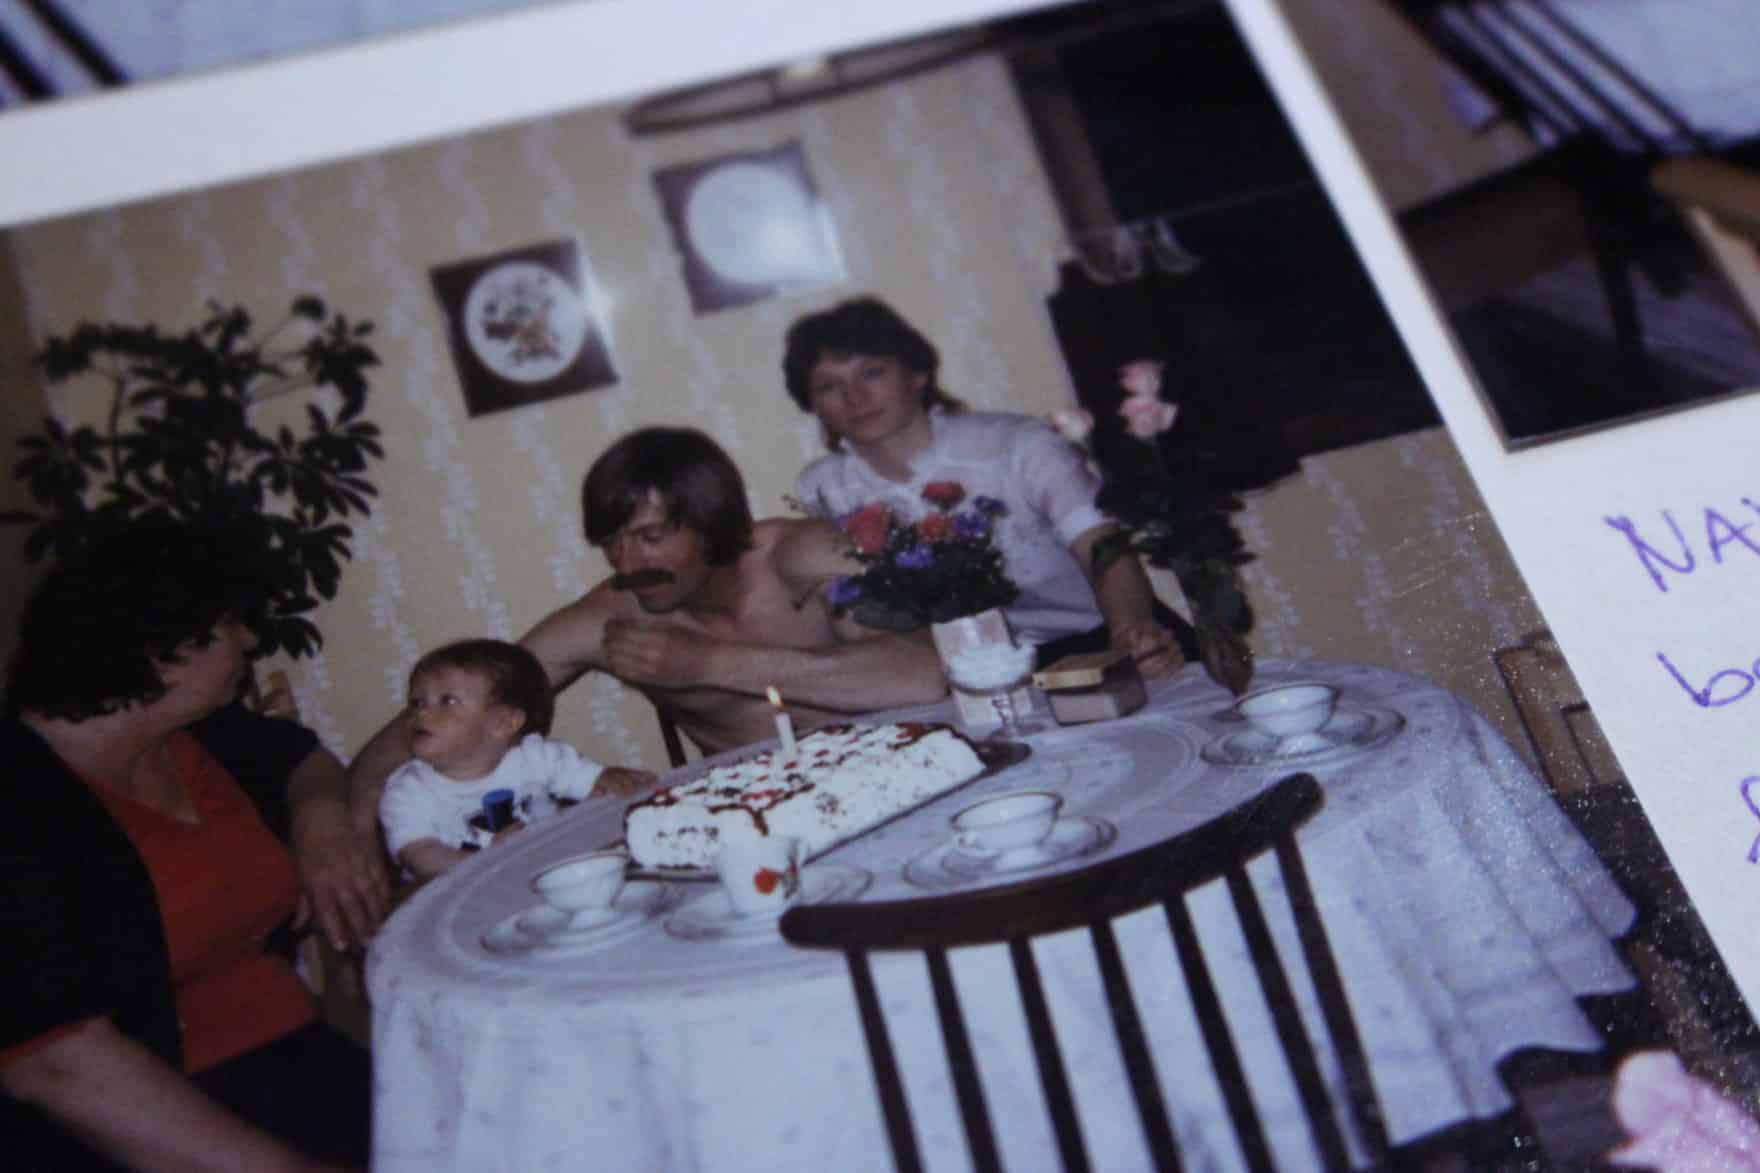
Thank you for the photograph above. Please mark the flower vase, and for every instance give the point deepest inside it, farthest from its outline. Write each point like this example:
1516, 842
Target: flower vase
978, 711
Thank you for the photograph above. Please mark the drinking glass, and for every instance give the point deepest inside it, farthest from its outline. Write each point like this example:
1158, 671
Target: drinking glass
996, 670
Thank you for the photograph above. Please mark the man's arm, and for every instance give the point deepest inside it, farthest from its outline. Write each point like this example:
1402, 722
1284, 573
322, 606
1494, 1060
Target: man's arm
862, 670
125, 1101
387, 750
860, 673
1127, 602
341, 866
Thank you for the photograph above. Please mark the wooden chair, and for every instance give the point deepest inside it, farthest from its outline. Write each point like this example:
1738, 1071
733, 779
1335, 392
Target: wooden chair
1091, 898
1688, 987
1603, 129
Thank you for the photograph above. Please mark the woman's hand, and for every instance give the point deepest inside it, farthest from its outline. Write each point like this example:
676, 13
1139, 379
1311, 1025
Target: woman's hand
1152, 646
342, 868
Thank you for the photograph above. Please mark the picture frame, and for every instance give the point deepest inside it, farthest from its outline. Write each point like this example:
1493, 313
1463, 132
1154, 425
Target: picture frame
747, 226
521, 326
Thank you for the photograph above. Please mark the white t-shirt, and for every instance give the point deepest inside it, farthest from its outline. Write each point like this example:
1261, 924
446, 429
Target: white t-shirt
419, 802
1039, 476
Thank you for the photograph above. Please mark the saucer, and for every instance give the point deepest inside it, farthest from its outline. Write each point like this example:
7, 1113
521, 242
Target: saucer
543, 928
1351, 730
711, 916
946, 866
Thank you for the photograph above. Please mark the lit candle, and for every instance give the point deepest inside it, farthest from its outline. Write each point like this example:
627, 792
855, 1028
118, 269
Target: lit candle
784, 727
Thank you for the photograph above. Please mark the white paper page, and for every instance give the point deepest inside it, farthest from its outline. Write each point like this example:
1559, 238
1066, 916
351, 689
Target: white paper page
1615, 611
189, 132
1664, 655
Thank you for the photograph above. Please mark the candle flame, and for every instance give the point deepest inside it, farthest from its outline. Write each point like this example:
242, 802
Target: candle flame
775, 697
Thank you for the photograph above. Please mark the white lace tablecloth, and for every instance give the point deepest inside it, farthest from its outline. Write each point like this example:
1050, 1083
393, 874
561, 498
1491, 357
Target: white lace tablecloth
1467, 913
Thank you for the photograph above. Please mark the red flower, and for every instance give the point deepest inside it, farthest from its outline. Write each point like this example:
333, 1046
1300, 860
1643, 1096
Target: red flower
937, 527
944, 494
868, 527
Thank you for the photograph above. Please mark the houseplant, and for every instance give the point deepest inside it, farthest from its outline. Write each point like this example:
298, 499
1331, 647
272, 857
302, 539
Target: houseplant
176, 439
1173, 514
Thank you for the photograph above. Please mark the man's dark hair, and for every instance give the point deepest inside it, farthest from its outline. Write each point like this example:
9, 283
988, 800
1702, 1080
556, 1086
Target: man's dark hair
516, 679
862, 325
106, 616
696, 481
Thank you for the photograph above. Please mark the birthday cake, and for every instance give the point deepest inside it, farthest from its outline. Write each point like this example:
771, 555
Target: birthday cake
840, 781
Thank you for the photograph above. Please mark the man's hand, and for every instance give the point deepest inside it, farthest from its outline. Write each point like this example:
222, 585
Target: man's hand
341, 865
1152, 646
622, 782
640, 651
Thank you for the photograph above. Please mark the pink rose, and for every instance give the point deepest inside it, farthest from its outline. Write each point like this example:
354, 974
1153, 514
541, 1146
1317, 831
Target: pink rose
1146, 418
1073, 424
1677, 1122
1142, 377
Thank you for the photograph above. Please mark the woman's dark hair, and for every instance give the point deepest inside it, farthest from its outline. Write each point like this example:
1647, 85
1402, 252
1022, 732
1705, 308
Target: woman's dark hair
696, 481
862, 325
516, 679
103, 620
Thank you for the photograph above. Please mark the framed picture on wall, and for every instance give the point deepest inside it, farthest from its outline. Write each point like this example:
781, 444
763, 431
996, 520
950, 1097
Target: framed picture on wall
521, 326
748, 226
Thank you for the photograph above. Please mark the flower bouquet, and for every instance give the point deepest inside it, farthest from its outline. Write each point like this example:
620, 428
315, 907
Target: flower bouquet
943, 567
1174, 517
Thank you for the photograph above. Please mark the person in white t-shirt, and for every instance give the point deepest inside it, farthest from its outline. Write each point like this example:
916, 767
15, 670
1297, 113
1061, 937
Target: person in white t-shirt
870, 378
481, 765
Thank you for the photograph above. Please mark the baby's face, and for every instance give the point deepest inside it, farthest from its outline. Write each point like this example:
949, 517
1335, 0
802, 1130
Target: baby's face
454, 726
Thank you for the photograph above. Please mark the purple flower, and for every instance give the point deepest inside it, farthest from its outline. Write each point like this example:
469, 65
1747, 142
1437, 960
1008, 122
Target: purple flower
844, 592
918, 557
989, 506
971, 525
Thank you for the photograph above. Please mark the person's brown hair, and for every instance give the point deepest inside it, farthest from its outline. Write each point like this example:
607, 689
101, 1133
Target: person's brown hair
696, 481
109, 615
516, 679
861, 325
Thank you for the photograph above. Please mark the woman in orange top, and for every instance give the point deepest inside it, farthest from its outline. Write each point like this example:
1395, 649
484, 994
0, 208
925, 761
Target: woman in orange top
147, 1019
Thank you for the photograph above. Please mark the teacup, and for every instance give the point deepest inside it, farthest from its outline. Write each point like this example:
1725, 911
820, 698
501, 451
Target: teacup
584, 886
1289, 711
1007, 822
760, 873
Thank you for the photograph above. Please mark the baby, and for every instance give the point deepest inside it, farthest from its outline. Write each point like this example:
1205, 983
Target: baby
478, 713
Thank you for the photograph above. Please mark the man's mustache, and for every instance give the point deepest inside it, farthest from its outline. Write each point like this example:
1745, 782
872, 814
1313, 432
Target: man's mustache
635, 580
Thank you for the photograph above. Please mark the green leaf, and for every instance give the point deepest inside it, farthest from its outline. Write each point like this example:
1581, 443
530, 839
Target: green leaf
871, 614
185, 447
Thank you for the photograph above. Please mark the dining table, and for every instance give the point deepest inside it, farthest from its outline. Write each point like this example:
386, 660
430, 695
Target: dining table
1467, 914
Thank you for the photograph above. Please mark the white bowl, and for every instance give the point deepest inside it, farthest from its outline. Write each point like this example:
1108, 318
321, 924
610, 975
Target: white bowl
1289, 710
583, 881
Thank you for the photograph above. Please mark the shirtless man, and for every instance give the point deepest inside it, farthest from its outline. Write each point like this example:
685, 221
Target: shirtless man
707, 608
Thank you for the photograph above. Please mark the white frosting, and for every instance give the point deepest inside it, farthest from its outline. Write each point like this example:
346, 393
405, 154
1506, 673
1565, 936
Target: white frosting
839, 782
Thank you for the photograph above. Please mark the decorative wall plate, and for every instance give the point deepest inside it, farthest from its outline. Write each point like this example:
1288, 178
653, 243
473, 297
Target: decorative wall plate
521, 326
